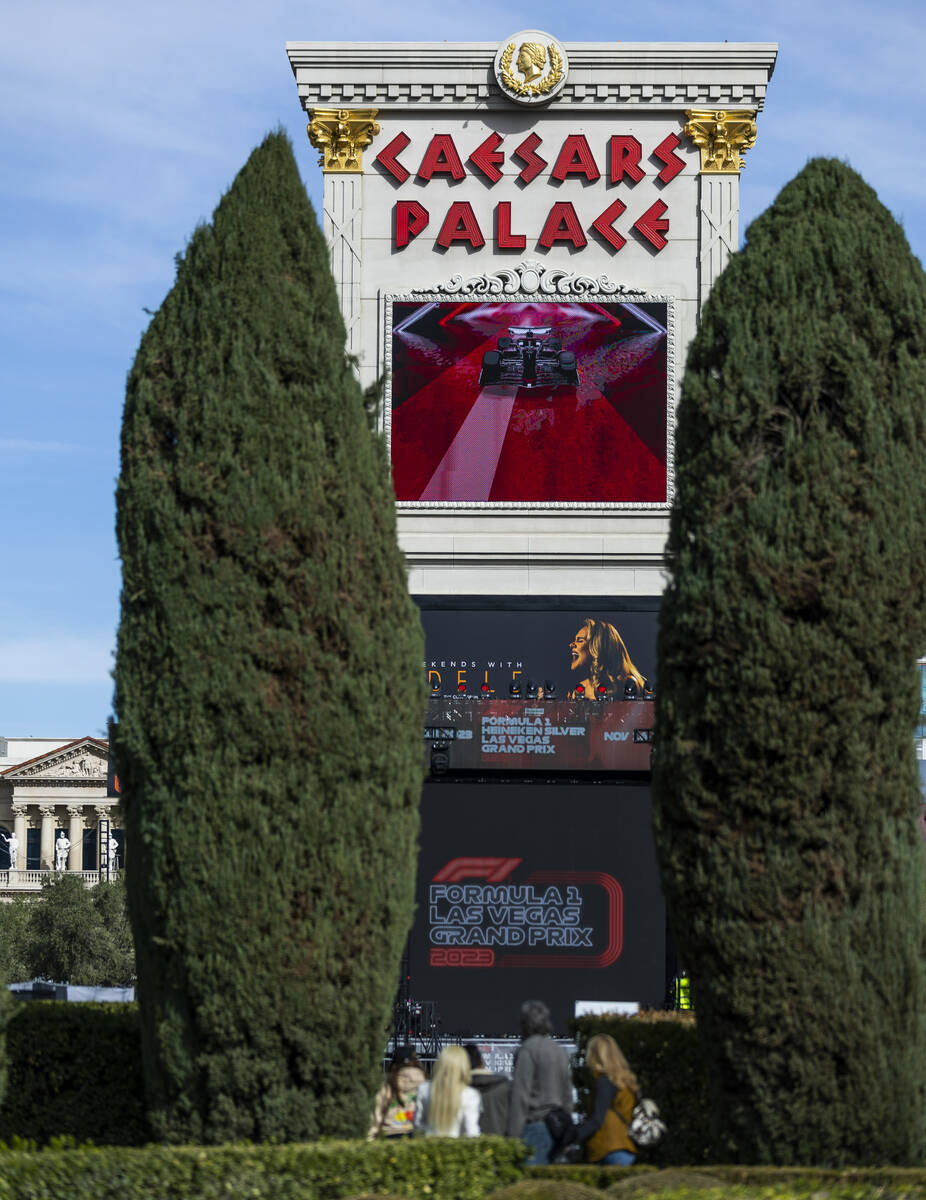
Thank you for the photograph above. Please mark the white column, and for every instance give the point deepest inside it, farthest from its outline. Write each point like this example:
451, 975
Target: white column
76, 838
19, 828
718, 227
342, 217
47, 851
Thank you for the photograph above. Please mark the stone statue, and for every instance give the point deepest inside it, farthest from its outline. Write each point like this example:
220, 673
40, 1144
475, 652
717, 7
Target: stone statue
113, 851
62, 846
12, 844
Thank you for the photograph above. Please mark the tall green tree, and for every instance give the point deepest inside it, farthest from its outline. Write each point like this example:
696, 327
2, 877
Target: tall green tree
268, 688
785, 781
75, 934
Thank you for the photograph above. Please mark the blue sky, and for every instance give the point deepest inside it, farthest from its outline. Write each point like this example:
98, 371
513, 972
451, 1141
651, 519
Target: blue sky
123, 124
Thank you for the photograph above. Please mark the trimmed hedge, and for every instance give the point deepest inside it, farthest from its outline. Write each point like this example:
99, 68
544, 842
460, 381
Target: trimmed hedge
74, 1071
422, 1169
739, 1181
665, 1054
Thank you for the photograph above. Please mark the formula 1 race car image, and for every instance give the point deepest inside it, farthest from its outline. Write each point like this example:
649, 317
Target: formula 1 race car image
529, 357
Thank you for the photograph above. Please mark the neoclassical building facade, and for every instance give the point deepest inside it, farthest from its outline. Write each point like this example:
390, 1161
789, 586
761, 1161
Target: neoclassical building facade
50, 788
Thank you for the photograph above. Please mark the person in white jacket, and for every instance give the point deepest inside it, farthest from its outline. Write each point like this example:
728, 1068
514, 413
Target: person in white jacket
446, 1105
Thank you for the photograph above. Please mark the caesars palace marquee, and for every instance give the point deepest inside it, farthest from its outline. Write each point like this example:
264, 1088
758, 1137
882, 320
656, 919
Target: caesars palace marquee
522, 235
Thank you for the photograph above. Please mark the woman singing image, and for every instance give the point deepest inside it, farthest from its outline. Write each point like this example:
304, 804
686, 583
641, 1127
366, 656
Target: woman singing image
601, 660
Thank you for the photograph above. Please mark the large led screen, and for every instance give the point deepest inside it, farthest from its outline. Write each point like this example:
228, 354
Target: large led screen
529, 401
535, 890
541, 690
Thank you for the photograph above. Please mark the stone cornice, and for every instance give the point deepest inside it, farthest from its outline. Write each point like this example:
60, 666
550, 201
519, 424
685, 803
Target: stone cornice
446, 75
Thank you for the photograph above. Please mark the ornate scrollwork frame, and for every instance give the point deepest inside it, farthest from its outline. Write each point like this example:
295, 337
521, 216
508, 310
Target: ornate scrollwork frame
534, 281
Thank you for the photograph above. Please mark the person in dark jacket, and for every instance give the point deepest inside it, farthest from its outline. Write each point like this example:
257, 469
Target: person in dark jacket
494, 1090
542, 1082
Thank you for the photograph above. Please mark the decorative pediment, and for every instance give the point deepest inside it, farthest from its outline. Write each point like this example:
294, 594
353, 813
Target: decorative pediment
531, 278
82, 762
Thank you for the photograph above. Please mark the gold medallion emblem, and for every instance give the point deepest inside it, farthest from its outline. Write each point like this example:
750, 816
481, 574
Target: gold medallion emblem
531, 67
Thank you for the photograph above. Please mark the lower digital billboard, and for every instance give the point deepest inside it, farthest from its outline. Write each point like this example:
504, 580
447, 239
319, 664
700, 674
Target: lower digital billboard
529, 401
526, 689
545, 891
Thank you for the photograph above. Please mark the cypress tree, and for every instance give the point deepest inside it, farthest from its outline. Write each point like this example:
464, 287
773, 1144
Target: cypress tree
268, 688
784, 774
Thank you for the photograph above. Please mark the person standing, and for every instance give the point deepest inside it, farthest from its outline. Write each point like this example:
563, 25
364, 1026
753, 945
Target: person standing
447, 1106
604, 1134
394, 1109
494, 1091
542, 1081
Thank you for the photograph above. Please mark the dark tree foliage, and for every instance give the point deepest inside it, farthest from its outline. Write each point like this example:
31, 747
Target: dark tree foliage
786, 787
267, 688
8, 1009
70, 934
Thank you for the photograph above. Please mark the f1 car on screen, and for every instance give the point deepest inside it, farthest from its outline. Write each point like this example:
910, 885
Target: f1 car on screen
529, 357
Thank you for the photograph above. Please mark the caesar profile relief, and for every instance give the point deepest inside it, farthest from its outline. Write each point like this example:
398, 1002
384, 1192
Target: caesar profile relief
532, 58
531, 67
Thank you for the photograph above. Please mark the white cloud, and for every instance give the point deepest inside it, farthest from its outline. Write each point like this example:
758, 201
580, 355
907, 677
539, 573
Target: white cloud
56, 658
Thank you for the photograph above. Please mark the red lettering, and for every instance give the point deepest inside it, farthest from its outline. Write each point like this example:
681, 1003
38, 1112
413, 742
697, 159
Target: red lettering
625, 157
460, 225
387, 157
535, 163
504, 238
604, 224
488, 158
562, 225
576, 158
441, 158
665, 153
652, 226
410, 219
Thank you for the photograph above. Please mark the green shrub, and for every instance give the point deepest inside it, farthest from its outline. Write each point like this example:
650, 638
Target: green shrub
650, 1183
420, 1169
549, 1188
75, 1070
735, 1183
665, 1054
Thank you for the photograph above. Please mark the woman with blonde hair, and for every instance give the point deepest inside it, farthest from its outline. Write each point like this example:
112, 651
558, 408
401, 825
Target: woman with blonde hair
604, 1134
447, 1106
600, 659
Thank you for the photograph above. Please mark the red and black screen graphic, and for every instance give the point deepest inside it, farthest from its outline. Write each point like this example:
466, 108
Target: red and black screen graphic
533, 437
546, 891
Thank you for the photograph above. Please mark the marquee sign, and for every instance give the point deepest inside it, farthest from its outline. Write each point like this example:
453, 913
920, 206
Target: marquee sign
446, 162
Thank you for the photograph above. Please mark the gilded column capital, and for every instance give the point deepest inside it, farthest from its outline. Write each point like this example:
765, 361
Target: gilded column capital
723, 136
340, 134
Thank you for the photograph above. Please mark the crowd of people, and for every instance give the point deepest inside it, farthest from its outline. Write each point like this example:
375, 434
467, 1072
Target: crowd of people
465, 1099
